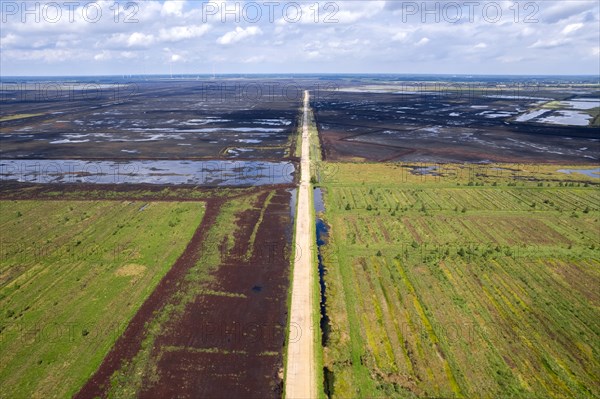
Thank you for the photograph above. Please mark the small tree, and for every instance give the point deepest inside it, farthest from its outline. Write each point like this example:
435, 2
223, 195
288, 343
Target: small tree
348, 207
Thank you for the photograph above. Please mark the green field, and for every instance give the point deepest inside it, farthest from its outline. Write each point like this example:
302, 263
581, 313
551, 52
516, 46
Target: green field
479, 281
72, 275
17, 116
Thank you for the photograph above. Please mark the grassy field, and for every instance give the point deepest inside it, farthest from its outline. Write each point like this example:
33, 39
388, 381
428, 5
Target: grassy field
72, 274
477, 281
17, 116
595, 113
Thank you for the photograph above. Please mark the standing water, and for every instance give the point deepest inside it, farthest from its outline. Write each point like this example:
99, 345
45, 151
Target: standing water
322, 233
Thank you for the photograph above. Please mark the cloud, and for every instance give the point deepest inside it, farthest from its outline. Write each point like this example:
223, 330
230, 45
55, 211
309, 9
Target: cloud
480, 45
549, 44
238, 34
172, 7
349, 12
561, 10
137, 39
103, 56
175, 58
422, 42
8, 40
179, 33
44, 55
400, 37
572, 28
128, 54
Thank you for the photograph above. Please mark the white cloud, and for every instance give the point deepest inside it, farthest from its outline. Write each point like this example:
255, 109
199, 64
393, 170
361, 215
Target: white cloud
128, 55
349, 12
313, 55
560, 10
172, 7
400, 36
175, 58
238, 34
103, 56
8, 40
549, 44
109, 55
44, 55
178, 33
572, 28
137, 39
422, 42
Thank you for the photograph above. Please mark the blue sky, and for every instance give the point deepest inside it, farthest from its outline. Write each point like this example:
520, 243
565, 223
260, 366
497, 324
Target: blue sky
462, 37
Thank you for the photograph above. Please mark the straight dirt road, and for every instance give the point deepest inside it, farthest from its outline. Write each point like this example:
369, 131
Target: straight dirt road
301, 375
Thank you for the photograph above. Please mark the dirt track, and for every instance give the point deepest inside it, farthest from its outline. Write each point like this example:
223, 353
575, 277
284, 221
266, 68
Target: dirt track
301, 374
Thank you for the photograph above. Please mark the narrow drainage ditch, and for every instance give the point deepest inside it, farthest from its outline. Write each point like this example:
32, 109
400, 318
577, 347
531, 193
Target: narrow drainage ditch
322, 232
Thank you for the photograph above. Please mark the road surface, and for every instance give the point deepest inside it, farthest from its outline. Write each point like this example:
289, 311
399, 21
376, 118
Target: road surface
301, 373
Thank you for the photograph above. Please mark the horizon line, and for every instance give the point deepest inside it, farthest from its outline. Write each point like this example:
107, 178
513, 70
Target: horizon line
121, 75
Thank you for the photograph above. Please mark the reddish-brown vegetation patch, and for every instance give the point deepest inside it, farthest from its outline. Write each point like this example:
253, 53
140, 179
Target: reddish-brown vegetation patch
229, 341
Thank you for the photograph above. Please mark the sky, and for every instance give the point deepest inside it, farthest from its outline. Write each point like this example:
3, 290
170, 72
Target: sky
197, 37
